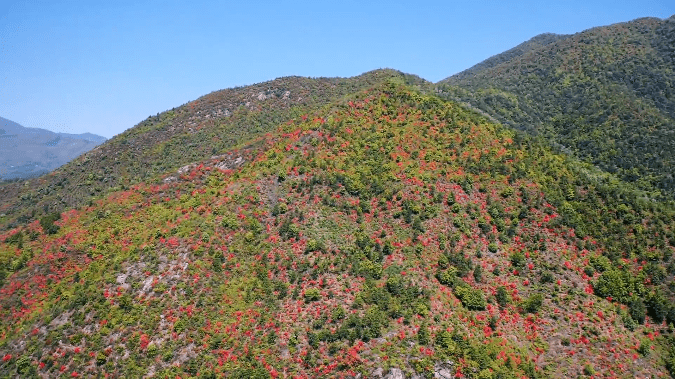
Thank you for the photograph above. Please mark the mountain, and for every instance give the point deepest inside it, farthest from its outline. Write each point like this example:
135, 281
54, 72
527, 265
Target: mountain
606, 95
376, 230
86, 136
518, 51
29, 152
208, 126
495, 225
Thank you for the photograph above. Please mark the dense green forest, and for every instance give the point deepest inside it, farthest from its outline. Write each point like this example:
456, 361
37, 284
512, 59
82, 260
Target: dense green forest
606, 95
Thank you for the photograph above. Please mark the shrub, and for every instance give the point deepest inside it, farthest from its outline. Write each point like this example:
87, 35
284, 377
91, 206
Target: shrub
628, 321
370, 269
395, 285
338, 313
101, 358
23, 365
533, 303
546, 277
179, 326
670, 365
443, 261
600, 263
312, 294
229, 222
47, 223
373, 321
462, 264
478, 273
472, 299
670, 316
126, 302
446, 278
314, 245
423, 335
645, 346
485, 374
506, 192
444, 340
611, 284
424, 367
588, 369
588, 270
279, 208
636, 310
517, 259
502, 296
656, 272
289, 230
657, 306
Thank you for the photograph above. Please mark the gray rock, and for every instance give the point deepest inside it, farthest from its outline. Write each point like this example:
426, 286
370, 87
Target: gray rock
444, 370
395, 373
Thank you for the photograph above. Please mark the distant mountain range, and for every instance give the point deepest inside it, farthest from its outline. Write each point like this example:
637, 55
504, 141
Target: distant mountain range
27, 152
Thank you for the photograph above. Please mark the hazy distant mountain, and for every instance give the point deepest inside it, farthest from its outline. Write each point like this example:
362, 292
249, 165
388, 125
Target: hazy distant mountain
27, 152
86, 136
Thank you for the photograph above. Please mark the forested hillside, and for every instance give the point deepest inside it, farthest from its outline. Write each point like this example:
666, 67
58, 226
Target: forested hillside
197, 130
514, 220
385, 232
606, 95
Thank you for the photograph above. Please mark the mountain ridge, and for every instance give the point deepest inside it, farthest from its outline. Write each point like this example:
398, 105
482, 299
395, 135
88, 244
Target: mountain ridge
604, 94
521, 49
185, 134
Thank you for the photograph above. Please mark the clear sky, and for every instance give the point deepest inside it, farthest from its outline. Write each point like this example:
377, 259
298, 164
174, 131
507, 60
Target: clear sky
103, 66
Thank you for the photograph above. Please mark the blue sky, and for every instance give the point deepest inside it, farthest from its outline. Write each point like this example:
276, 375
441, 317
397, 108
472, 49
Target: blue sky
102, 67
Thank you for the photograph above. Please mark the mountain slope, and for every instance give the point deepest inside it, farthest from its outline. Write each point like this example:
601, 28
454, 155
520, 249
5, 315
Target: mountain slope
28, 152
194, 131
534, 43
386, 231
606, 94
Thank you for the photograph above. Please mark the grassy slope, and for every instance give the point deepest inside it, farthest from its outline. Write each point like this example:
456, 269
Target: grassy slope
385, 230
606, 94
